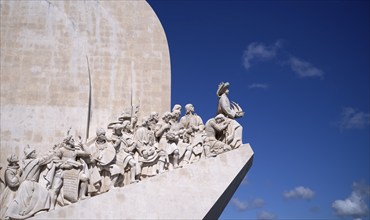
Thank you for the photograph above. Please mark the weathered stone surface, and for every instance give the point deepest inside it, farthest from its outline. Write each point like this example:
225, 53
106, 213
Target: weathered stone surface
47, 50
199, 190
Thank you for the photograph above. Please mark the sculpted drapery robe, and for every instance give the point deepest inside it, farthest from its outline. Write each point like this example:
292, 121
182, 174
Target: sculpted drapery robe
224, 107
145, 142
31, 196
234, 131
12, 184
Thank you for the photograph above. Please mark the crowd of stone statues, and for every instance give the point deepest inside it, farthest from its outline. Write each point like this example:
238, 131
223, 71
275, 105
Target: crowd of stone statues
129, 152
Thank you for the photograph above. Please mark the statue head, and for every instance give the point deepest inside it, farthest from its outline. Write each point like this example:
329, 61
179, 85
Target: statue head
189, 108
125, 115
154, 116
176, 107
12, 159
100, 134
223, 88
117, 129
176, 115
29, 152
126, 125
145, 121
69, 139
220, 118
167, 116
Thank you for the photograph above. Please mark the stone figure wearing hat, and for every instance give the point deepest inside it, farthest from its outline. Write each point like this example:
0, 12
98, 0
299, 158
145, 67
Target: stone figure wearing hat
104, 155
31, 197
233, 136
126, 147
12, 183
71, 154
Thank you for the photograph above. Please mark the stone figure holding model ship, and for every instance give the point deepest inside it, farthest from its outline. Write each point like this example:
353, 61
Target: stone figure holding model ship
233, 135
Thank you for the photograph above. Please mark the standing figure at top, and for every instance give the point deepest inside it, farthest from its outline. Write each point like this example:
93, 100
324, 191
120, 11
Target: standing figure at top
233, 136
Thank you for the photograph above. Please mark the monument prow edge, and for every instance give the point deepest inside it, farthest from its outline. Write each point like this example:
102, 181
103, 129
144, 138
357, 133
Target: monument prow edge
197, 191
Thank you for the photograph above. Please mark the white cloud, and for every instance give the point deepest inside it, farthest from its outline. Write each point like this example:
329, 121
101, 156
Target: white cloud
355, 205
303, 68
247, 205
300, 192
259, 51
257, 203
351, 118
240, 205
264, 215
258, 86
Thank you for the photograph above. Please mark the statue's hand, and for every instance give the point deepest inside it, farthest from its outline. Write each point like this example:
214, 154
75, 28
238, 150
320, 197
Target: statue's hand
145, 154
151, 151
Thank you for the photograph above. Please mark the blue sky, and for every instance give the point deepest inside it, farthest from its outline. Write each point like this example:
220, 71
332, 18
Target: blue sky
300, 70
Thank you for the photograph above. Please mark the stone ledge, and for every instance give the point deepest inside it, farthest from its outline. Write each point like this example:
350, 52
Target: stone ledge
197, 191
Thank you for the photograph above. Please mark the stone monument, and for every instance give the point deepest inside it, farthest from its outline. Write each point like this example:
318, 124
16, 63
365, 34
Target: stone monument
83, 87
77, 64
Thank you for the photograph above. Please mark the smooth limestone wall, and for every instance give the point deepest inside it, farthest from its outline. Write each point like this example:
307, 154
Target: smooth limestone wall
49, 49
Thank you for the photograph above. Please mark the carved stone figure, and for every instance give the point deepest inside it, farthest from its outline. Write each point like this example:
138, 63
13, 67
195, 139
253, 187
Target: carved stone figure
130, 114
103, 154
187, 148
127, 148
176, 107
173, 137
75, 171
53, 176
31, 197
196, 147
190, 120
166, 142
215, 127
146, 147
12, 183
233, 136
176, 126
